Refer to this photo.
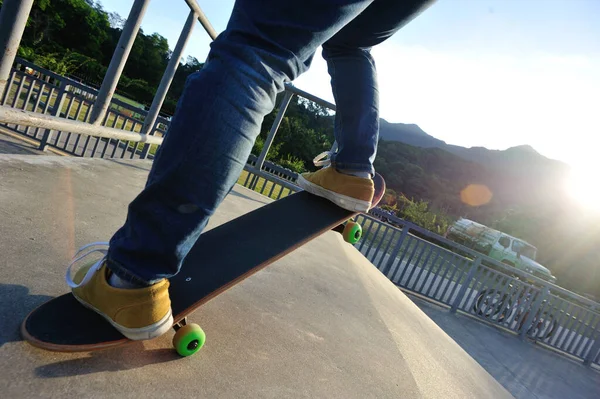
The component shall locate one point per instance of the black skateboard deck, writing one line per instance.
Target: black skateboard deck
(221, 258)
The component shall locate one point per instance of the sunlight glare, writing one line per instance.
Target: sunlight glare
(584, 188)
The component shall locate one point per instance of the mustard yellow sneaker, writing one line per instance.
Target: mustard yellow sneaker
(349, 192)
(138, 313)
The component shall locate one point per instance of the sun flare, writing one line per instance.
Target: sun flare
(584, 187)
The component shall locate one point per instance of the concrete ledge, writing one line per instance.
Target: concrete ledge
(321, 322)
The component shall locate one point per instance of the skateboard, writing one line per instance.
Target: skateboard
(221, 258)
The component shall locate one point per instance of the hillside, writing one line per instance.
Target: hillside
(519, 157)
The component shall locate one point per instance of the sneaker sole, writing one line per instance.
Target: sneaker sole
(343, 201)
(136, 334)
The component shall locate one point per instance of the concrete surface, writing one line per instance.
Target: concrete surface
(525, 369)
(320, 322)
(10, 143)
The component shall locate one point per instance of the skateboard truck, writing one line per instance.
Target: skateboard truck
(180, 324)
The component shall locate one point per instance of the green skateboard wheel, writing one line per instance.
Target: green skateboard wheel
(352, 232)
(189, 339)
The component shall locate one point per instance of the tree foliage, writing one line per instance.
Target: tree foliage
(77, 38)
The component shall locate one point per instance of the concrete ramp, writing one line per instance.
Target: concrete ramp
(321, 322)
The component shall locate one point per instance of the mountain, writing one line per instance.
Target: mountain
(408, 134)
(512, 159)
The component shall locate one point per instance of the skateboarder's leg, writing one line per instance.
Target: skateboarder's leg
(217, 120)
(354, 84)
(354, 80)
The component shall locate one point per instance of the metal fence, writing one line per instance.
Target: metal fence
(442, 271)
(35, 89)
(55, 111)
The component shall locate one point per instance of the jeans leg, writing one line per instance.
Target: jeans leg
(354, 80)
(217, 120)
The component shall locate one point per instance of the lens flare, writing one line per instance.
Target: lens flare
(476, 195)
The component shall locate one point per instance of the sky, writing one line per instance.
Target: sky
(470, 72)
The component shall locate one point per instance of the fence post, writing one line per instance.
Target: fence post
(13, 17)
(463, 288)
(533, 311)
(117, 63)
(595, 349)
(58, 104)
(386, 269)
(287, 98)
(167, 78)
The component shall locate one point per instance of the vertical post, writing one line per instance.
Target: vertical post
(282, 108)
(595, 349)
(117, 63)
(463, 289)
(166, 80)
(13, 17)
(202, 18)
(58, 104)
(533, 311)
(388, 266)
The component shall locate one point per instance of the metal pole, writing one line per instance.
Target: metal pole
(465, 285)
(13, 18)
(308, 96)
(282, 108)
(58, 105)
(117, 63)
(594, 351)
(167, 78)
(202, 18)
(39, 120)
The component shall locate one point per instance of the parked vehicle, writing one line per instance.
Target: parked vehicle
(497, 245)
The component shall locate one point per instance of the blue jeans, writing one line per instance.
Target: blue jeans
(219, 115)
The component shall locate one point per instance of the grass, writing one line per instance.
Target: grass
(128, 101)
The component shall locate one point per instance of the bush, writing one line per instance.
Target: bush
(418, 212)
(292, 163)
(273, 151)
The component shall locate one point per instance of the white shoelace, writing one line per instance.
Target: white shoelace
(102, 248)
(323, 159)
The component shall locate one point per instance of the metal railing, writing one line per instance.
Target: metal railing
(469, 282)
(57, 111)
(49, 108)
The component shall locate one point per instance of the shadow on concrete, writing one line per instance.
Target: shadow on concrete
(13, 147)
(133, 165)
(132, 356)
(15, 304)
